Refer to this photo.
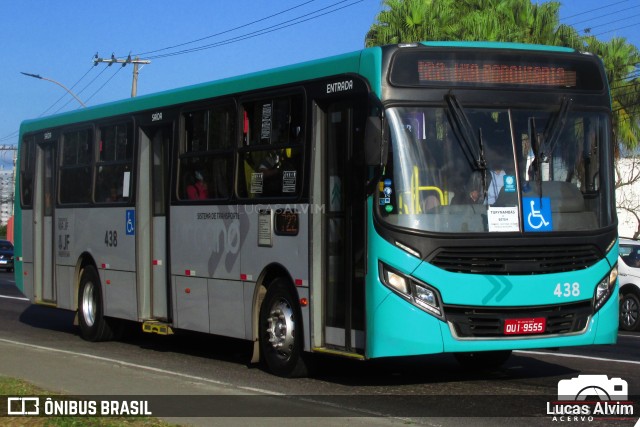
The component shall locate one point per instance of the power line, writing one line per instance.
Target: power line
(602, 16)
(593, 10)
(9, 136)
(225, 31)
(84, 88)
(613, 22)
(263, 31)
(248, 35)
(616, 29)
(105, 83)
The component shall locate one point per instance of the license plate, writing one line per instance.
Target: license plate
(536, 325)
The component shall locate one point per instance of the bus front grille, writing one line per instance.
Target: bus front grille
(516, 260)
(476, 322)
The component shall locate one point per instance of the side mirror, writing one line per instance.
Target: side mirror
(376, 145)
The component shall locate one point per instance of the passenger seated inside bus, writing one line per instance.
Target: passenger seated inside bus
(470, 193)
(197, 187)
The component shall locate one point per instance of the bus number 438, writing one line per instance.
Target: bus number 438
(111, 238)
(567, 290)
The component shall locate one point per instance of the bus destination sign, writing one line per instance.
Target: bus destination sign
(509, 70)
(495, 74)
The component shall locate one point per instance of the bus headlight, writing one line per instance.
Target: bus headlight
(396, 281)
(605, 289)
(419, 294)
(427, 298)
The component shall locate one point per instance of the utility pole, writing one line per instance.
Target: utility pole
(135, 61)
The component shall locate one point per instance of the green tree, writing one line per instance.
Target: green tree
(406, 21)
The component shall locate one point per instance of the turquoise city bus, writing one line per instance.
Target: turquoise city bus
(395, 201)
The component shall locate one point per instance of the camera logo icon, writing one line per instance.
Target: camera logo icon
(593, 387)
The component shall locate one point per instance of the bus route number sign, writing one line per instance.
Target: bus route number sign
(536, 325)
(287, 222)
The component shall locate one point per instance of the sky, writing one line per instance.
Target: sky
(58, 40)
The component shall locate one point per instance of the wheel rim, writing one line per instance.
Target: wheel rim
(629, 312)
(280, 328)
(88, 304)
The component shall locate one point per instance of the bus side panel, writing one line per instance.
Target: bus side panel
(191, 303)
(206, 241)
(100, 233)
(65, 295)
(226, 308)
(120, 294)
(26, 239)
(265, 246)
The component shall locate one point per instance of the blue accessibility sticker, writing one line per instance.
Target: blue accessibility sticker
(537, 214)
(130, 224)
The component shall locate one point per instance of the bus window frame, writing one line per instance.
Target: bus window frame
(242, 148)
(115, 121)
(60, 167)
(25, 160)
(229, 152)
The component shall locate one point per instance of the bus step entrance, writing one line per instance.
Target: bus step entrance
(336, 352)
(156, 327)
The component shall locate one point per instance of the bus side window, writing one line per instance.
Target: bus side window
(270, 162)
(75, 172)
(205, 163)
(115, 162)
(27, 171)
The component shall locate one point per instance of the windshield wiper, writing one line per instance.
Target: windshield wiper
(464, 132)
(538, 157)
(556, 124)
(544, 145)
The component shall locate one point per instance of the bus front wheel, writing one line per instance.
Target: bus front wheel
(281, 331)
(93, 325)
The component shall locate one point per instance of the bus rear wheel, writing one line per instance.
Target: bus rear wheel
(281, 332)
(479, 360)
(93, 325)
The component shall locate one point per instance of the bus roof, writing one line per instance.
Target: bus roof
(346, 63)
(500, 45)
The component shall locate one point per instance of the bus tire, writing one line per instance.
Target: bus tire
(479, 360)
(93, 325)
(281, 341)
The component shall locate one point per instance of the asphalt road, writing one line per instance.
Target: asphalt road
(200, 375)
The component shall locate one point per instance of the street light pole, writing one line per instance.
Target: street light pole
(37, 76)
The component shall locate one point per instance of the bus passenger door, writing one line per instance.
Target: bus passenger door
(344, 227)
(43, 234)
(151, 224)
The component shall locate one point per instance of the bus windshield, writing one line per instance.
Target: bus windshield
(472, 170)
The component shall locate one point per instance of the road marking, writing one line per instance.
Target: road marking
(197, 378)
(18, 298)
(135, 365)
(543, 353)
(629, 336)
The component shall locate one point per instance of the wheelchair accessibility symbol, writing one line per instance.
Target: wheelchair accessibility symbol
(130, 222)
(537, 214)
